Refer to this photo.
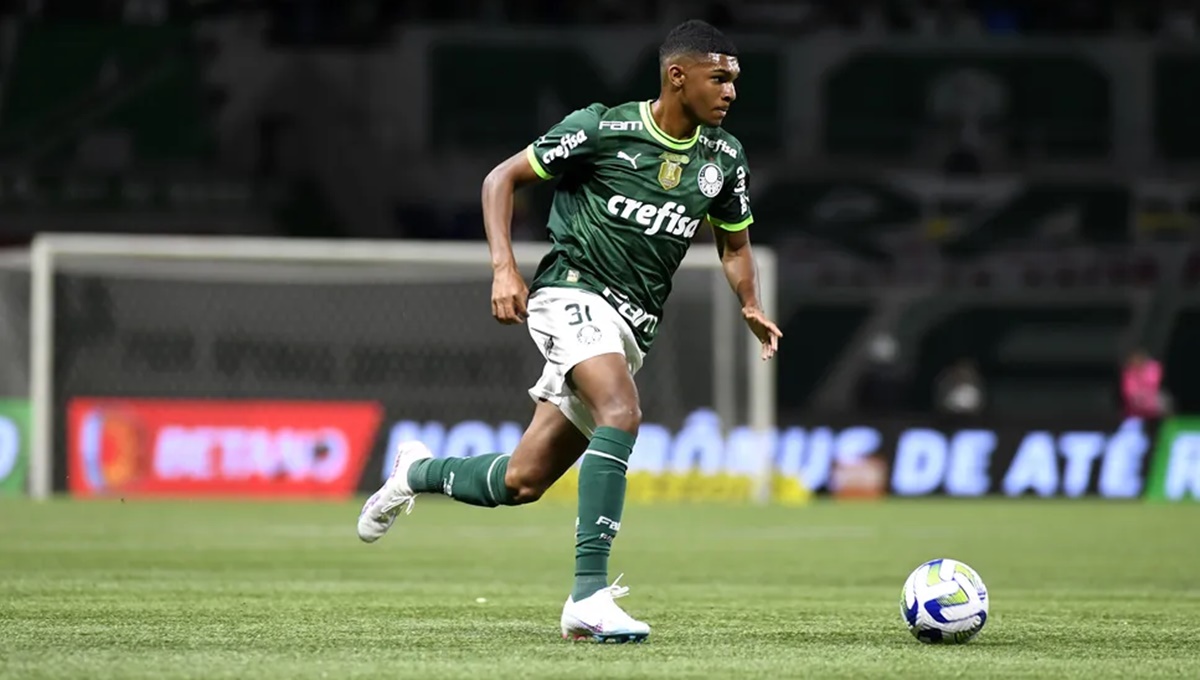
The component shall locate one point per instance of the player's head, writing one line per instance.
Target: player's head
(698, 65)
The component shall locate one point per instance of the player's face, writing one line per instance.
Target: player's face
(708, 90)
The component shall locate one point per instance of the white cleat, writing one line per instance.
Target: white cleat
(381, 509)
(598, 618)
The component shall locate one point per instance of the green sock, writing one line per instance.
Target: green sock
(601, 500)
(478, 480)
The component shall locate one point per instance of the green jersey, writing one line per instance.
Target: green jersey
(629, 200)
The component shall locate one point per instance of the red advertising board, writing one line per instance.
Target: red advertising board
(159, 447)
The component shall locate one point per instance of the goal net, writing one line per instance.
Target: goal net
(222, 365)
(14, 325)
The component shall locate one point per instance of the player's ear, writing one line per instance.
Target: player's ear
(676, 74)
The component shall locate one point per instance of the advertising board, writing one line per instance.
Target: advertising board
(154, 447)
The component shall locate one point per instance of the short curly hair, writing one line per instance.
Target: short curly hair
(694, 37)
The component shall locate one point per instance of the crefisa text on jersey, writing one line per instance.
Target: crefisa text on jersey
(653, 216)
(719, 145)
(563, 150)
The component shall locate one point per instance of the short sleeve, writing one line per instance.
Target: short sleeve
(730, 210)
(570, 143)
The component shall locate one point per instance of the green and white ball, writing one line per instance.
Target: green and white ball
(944, 602)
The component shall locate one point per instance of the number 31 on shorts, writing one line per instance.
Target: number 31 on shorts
(579, 314)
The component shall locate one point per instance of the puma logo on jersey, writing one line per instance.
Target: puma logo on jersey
(655, 218)
(626, 157)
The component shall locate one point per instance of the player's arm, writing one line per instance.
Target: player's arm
(509, 292)
(730, 217)
(737, 259)
(569, 144)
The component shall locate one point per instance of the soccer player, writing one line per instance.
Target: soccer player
(636, 182)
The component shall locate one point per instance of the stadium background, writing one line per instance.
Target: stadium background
(981, 209)
(949, 205)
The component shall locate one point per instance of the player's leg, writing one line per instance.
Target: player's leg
(604, 384)
(548, 448)
(546, 451)
(606, 388)
(551, 444)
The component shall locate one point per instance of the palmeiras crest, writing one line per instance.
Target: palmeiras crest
(671, 170)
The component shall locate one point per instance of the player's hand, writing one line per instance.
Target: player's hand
(764, 329)
(509, 295)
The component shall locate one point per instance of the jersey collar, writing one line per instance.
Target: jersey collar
(662, 137)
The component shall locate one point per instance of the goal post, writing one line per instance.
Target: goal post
(406, 323)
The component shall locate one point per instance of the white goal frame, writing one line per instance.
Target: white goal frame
(48, 248)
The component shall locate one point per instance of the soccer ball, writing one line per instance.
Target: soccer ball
(944, 601)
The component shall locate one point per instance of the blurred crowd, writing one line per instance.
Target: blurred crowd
(1167, 18)
(797, 17)
(963, 17)
(961, 390)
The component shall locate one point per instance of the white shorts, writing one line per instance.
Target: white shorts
(569, 326)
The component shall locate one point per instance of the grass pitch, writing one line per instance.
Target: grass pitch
(213, 590)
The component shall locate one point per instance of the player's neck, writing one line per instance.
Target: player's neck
(672, 120)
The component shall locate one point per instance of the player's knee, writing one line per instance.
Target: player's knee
(525, 485)
(622, 414)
